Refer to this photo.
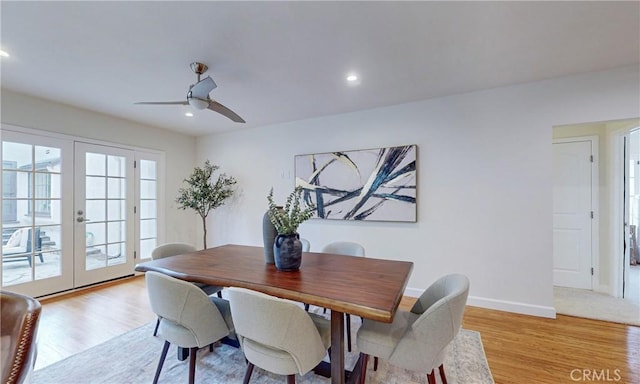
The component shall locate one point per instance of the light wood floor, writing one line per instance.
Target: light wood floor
(519, 349)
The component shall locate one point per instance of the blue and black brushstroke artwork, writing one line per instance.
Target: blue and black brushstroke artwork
(372, 184)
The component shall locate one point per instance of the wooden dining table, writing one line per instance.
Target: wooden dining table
(367, 287)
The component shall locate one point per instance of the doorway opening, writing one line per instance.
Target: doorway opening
(618, 209)
(630, 264)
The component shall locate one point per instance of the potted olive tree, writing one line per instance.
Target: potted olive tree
(202, 194)
(287, 248)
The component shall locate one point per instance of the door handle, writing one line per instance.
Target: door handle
(82, 219)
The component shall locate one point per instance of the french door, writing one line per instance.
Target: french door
(103, 210)
(75, 213)
(36, 214)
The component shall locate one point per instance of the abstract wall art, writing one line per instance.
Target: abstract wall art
(371, 184)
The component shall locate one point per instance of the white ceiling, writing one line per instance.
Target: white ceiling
(283, 61)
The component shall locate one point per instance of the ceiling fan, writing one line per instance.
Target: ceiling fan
(198, 95)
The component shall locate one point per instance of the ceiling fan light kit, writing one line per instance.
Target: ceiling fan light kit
(197, 103)
(198, 95)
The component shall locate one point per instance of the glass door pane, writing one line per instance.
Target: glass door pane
(148, 209)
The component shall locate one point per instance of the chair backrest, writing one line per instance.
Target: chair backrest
(20, 315)
(346, 248)
(37, 239)
(17, 239)
(171, 249)
(185, 305)
(277, 323)
(306, 245)
(20, 241)
(438, 316)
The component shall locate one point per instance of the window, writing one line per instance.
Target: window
(149, 212)
(42, 193)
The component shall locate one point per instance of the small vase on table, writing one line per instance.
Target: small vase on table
(287, 247)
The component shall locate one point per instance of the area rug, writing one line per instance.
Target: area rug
(133, 357)
(594, 305)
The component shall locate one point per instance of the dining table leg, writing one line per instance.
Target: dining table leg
(337, 347)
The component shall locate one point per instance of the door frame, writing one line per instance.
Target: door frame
(595, 206)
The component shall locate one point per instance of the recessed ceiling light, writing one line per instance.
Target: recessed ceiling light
(3, 53)
(188, 114)
(353, 79)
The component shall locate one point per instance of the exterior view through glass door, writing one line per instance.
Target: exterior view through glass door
(103, 213)
(35, 220)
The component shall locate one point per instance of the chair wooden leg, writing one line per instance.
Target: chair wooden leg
(163, 356)
(432, 377)
(192, 365)
(247, 374)
(291, 379)
(348, 319)
(155, 331)
(363, 372)
(442, 375)
(375, 363)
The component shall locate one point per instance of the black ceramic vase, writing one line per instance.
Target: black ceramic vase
(287, 252)
(268, 237)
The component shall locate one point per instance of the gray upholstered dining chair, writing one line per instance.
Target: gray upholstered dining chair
(347, 248)
(277, 335)
(190, 318)
(417, 340)
(306, 245)
(177, 248)
(19, 318)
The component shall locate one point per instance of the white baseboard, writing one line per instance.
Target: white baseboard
(602, 288)
(500, 305)
(512, 306)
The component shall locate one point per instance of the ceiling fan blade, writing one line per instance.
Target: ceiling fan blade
(163, 102)
(202, 88)
(221, 109)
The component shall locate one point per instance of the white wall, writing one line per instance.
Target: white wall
(484, 175)
(30, 112)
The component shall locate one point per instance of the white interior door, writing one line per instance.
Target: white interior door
(104, 213)
(572, 214)
(37, 234)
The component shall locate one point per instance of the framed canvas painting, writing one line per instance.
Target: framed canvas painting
(371, 184)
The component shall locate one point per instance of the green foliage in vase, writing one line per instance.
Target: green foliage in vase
(202, 194)
(287, 219)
